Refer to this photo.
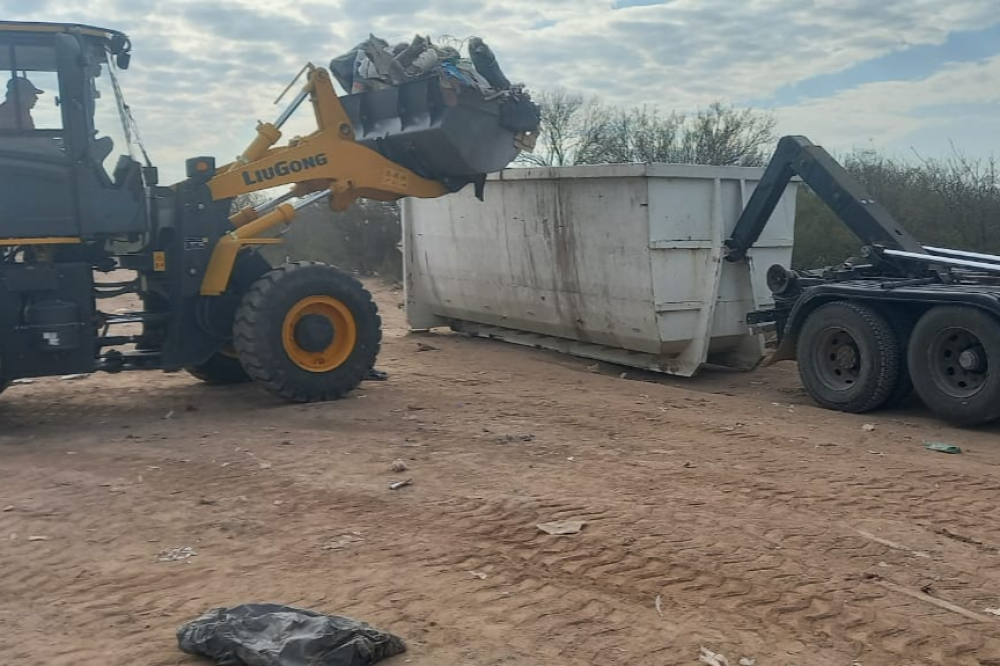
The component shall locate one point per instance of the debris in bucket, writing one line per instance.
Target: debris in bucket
(941, 447)
(276, 635)
(400, 484)
(175, 554)
(374, 64)
(452, 89)
(562, 527)
(398, 466)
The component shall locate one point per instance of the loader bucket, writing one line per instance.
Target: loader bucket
(452, 140)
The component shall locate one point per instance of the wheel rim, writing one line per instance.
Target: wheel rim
(959, 365)
(319, 333)
(839, 359)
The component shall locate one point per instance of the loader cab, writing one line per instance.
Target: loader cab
(66, 168)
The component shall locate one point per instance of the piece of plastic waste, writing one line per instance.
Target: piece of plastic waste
(377, 375)
(276, 635)
(562, 527)
(941, 447)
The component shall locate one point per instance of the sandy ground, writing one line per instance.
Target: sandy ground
(768, 529)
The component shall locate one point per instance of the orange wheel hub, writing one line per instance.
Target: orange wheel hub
(319, 333)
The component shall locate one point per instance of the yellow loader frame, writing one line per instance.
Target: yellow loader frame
(327, 159)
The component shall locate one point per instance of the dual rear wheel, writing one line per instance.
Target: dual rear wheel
(856, 358)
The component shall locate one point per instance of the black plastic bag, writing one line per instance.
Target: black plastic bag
(275, 635)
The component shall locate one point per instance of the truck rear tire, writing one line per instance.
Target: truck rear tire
(849, 357)
(308, 332)
(902, 322)
(954, 358)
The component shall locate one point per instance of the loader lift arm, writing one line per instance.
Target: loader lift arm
(326, 162)
(846, 197)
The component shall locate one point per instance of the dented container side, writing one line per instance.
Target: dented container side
(553, 256)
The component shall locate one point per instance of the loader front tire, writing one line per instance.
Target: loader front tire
(307, 332)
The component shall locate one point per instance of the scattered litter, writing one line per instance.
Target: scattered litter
(285, 442)
(562, 527)
(38, 538)
(71, 378)
(263, 464)
(278, 502)
(276, 635)
(342, 542)
(941, 447)
(169, 415)
(571, 459)
(868, 427)
(377, 375)
(398, 466)
(624, 375)
(175, 554)
(710, 658)
(993, 611)
(508, 439)
(204, 501)
(23, 381)
(594, 368)
(689, 465)
(478, 574)
(8, 508)
(424, 347)
(659, 604)
(400, 484)
(876, 453)
(893, 544)
(747, 661)
(934, 601)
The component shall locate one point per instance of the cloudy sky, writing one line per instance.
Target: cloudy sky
(902, 76)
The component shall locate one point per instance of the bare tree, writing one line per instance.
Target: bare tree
(559, 129)
(727, 136)
(579, 131)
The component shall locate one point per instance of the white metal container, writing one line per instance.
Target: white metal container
(618, 263)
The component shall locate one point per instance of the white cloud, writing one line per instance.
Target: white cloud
(888, 113)
(204, 73)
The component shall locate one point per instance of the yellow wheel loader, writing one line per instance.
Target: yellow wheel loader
(75, 204)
